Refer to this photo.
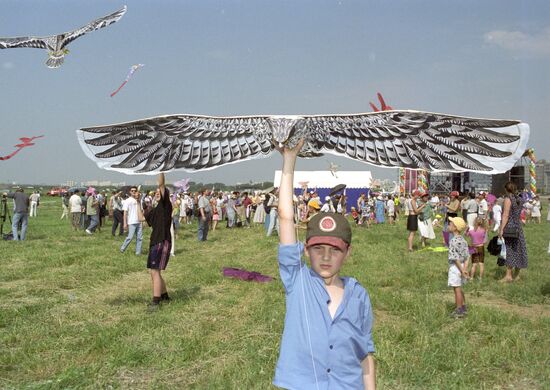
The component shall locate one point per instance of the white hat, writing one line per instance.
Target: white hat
(327, 198)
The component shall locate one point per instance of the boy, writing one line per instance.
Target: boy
(458, 254)
(159, 217)
(327, 341)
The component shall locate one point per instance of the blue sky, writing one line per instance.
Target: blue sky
(487, 59)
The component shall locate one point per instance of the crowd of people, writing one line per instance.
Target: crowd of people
(482, 213)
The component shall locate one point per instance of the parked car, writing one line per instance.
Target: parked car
(57, 191)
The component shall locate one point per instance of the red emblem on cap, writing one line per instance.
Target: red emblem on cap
(327, 224)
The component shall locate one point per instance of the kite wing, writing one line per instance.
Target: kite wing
(12, 43)
(93, 25)
(421, 140)
(166, 143)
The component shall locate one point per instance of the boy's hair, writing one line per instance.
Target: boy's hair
(330, 229)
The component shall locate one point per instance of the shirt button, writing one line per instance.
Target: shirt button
(330, 347)
(328, 370)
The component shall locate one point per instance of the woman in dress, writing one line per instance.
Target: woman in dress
(259, 215)
(516, 249)
(412, 218)
(379, 209)
(535, 211)
(425, 225)
(453, 207)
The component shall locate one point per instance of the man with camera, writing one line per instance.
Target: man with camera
(20, 214)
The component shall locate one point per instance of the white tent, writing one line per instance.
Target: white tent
(326, 179)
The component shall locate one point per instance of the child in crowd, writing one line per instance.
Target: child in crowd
(327, 338)
(365, 214)
(478, 236)
(458, 273)
(497, 215)
(355, 215)
(159, 217)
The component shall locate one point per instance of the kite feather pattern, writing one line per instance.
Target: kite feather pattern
(394, 138)
(56, 44)
(25, 142)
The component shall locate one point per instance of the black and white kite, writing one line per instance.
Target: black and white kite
(57, 44)
(410, 139)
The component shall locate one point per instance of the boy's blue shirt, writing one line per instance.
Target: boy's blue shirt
(337, 345)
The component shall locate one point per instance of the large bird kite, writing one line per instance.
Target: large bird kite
(391, 138)
(56, 44)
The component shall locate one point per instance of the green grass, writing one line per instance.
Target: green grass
(73, 313)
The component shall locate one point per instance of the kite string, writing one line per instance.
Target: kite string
(302, 266)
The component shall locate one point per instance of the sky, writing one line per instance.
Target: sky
(488, 59)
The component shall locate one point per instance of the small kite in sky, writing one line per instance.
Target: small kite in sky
(56, 44)
(394, 138)
(133, 68)
(383, 106)
(25, 141)
(333, 168)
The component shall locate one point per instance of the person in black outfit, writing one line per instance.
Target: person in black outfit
(159, 217)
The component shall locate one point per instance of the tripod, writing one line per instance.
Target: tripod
(4, 214)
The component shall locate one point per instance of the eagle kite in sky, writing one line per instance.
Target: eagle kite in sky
(388, 138)
(56, 44)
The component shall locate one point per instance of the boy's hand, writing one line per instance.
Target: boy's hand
(291, 152)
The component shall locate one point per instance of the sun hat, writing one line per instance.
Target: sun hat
(330, 229)
(314, 203)
(459, 223)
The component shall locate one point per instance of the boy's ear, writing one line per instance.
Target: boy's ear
(348, 254)
(306, 252)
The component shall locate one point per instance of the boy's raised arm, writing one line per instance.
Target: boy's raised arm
(161, 184)
(287, 234)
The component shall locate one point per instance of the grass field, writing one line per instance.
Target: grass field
(73, 313)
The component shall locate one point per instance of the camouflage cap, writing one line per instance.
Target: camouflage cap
(328, 228)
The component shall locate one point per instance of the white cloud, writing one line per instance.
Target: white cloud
(537, 44)
(8, 65)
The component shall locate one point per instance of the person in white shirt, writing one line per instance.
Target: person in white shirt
(75, 208)
(390, 207)
(133, 218)
(497, 214)
(35, 199)
(471, 210)
(483, 206)
(535, 211)
(327, 207)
